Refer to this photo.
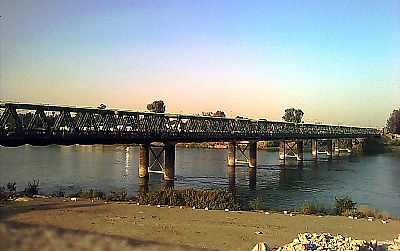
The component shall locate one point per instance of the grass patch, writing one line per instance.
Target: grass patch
(314, 207)
(256, 204)
(212, 199)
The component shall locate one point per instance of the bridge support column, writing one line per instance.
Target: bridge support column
(253, 154)
(356, 145)
(329, 149)
(144, 161)
(231, 153)
(337, 146)
(169, 168)
(143, 185)
(299, 154)
(291, 149)
(314, 148)
(282, 149)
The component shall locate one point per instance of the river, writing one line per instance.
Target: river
(370, 180)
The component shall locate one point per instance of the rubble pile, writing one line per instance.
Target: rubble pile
(326, 241)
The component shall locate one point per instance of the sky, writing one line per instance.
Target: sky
(338, 61)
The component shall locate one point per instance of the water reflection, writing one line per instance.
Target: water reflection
(252, 178)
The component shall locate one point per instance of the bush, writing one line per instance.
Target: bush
(32, 189)
(120, 195)
(365, 211)
(12, 186)
(312, 207)
(343, 204)
(256, 204)
(213, 199)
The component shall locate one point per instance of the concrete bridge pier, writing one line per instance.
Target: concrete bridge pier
(253, 154)
(357, 144)
(169, 168)
(314, 148)
(144, 156)
(143, 185)
(291, 149)
(321, 146)
(231, 153)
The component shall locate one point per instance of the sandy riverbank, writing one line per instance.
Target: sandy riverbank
(85, 225)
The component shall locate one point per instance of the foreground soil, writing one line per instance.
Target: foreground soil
(61, 224)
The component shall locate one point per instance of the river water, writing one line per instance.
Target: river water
(370, 180)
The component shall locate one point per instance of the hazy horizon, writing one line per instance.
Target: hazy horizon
(338, 61)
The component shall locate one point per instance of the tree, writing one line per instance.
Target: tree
(219, 114)
(156, 106)
(393, 122)
(293, 115)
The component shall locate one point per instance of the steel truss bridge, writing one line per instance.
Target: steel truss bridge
(42, 124)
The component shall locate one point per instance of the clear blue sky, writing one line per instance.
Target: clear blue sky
(339, 61)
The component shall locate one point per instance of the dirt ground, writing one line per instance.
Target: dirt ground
(62, 224)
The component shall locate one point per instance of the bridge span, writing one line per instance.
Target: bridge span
(43, 124)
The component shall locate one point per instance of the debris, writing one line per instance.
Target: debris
(23, 199)
(261, 247)
(326, 241)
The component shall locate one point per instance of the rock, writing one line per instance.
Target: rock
(226, 210)
(261, 247)
(74, 199)
(326, 241)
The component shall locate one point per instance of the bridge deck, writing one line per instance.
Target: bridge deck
(41, 124)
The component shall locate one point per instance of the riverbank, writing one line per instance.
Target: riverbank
(55, 223)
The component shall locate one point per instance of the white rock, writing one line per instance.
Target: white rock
(267, 213)
(74, 199)
(206, 208)
(181, 207)
(226, 210)
(285, 212)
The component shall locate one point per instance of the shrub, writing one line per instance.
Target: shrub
(343, 204)
(12, 186)
(60, 194)
(92, 194)
(119, 195)
(213, 199)
(365, 211)
(32, 188)
(352, 212)
(256, 204)
(312, 207)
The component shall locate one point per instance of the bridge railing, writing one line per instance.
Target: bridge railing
(49, 121)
